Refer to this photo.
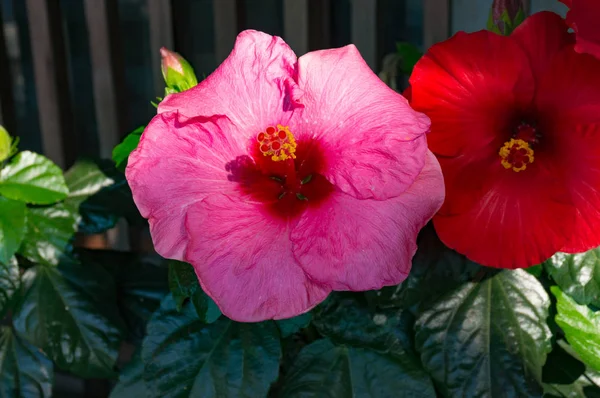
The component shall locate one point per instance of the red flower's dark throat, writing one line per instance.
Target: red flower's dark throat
(282, 173)
(518, 152)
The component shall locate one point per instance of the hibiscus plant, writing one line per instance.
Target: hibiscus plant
(319, 234)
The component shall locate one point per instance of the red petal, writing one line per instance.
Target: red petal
(470, 86)
(583, 18)
(542, 36)
(568, 98)
(522, 219)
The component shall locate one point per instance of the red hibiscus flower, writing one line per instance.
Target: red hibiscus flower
(583, 18)
(516, 128)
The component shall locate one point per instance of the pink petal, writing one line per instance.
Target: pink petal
(255, 86)
(243, 259)
(353, 244)
(177, 163)
(375, 142)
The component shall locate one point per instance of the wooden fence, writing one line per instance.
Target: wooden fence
(59, 132)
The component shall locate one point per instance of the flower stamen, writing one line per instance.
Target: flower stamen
(516, 154)
(278, 143)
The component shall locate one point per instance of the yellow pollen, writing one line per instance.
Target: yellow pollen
(516, 155)
(278, 143)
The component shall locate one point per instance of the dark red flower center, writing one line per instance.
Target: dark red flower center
(517, 153)
(284, 174)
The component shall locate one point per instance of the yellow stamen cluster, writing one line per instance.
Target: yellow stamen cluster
(278, 143)
(516, 154)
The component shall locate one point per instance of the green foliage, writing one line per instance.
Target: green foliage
(183, 283)
(578, 275)
(10, 281)
(409, 56)
(25, 371)
(184, 357)
(488, 338)
(324, 369)
(64, 311)
(12, 227)
(581, 327)
(122, 151)
(32, 178)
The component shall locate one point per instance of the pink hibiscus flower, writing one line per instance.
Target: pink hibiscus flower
(281, 179)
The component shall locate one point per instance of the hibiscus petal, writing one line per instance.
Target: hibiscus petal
(569, 99)
(542, 36)
(470, 86)
(177, 163)
(353, 244)
(583, 18)
(243, 259)
(254, 86)
(374, 141)
(521, 220)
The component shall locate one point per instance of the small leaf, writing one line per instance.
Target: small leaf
(581, 326)
(409, 56)
(12, 227)
(84, 179)
(9, 283)
(121, 152)
(49, 233)
(131, 380)
(184, 285)
(536, 270)
(206, 309)
(288, 327)
(325, 370)
(183, 282)
(578, 275)
(561, 367)
(184, 357)
(101, 211)
(488, 338)
(25, 371)
(70, 312)
(33, 178)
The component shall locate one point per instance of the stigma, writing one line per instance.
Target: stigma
(516, 154)
(278, 143)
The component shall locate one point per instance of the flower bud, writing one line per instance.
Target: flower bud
(5, 144)
(177, 72)
(505, 16)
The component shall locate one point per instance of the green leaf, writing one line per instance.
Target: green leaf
(184, 357)
(49, 233)
(561, 367)
(436, 270)
(488, 338)
(141, 282)
(12, 227)
(581, 326)
(346, 318)
(131, 380)
(101, 211)
(536, 270)
(9, 283)
(325, 370)
(121, 152)
(84, 179)
(70, 312)
(409, 55)
(183, 282)
(288, 327)
(33, 178)
(184, 285)
(24, 371)
(578, 275)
